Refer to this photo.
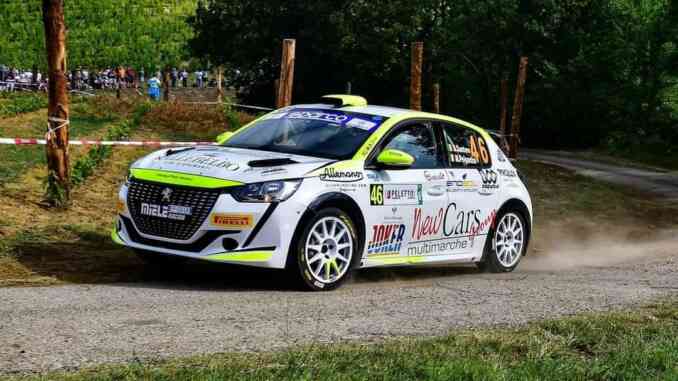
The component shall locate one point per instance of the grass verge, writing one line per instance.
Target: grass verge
(640, 344)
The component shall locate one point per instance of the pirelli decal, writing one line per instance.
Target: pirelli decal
(236, 221)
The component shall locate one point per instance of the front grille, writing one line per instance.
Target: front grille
(201, 202)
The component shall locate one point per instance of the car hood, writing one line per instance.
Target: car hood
(236, 164)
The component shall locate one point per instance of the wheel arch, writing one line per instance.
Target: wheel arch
(519, 206)
(339, 201)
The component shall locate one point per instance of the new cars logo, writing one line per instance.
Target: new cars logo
(386, 239)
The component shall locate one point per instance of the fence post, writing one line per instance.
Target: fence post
(415, 75)
(166, 84)
(284, 96)
(518, 107)
(220, 89)
(436, 98)
(58, 172)
(503, 105)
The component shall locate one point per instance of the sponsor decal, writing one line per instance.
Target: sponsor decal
(341, 176)
(387, 239)
(507, 172)
(202, 160)
(438, 247)
(450, 229)
(489, 181)
(476, 152)
(237, 221)
(346, 187)
(462, 185)
(170, 212)
(396, 194)
(434, 175)
(426, 226)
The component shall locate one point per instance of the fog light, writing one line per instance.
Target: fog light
(229, 244)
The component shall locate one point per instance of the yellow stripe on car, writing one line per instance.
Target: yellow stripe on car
(183, 179)
(242, 256)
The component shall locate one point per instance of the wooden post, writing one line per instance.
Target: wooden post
(503, 115)
(58, 172)
(166, 84)
(286, 74)
(415, 75)
(436, 98)
(518, 108)
(220, 89)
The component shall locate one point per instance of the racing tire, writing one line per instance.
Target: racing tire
(324, 252)
(506, 244)
(159, 260)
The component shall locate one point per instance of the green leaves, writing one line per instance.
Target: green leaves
(102, 33)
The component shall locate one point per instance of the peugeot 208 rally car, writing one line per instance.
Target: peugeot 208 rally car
(322, 189)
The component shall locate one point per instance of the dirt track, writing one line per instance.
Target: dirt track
(244, 310)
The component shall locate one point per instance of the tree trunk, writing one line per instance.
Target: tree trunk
(518, 107)
(436, 98)
(58, 173)
(503, 104)
(166, 84)
(284, 96)
(415, 75)
(220, 88)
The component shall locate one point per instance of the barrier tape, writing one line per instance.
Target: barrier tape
(146, 143)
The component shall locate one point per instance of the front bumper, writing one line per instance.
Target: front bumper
(262, 242)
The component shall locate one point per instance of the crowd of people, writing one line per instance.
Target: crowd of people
(82, 79)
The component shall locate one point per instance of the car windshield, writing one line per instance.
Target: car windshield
(331, 134)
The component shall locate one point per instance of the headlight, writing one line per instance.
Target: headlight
(270, 191)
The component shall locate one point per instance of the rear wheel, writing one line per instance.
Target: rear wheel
(325, 251)
(507, 244)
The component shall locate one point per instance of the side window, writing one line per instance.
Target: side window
(465, 147)
(419, 141)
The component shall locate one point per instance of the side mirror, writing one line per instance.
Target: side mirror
(396, 159)
(221, 139)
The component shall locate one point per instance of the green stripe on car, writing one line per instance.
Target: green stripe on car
(177, 178)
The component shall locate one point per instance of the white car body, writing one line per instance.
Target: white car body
(403, 216)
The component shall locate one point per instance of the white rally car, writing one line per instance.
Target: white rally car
(322, 189)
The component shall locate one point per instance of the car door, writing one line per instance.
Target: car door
(472, 190)
(406, 204)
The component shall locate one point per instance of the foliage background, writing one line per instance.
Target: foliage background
(601, 71)
(101, 33)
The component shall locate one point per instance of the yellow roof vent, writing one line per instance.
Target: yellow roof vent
(341, 100)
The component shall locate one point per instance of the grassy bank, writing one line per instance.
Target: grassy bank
(633, 345)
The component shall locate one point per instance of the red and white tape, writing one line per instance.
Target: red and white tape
(145, 143)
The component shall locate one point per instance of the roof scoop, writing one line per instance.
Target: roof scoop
(271, 162)
(341, 100)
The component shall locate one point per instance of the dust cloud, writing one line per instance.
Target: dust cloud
(580, 244)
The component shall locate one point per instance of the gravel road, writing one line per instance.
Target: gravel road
(69, 327)
(657, 182)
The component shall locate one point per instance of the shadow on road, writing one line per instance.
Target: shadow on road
(96, 263)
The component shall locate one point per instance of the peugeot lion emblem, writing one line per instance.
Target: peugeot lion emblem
(167, 195)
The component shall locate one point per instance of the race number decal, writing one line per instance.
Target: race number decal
(479, 150)
(377, 194)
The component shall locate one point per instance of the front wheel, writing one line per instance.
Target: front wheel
(507, 243)
(324, 253)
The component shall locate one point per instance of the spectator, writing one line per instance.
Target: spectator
(184, 77)
(175, 77)
(142, 77)
(198, 79)
(154, 88)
